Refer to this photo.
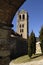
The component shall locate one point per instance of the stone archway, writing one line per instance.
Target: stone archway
(8, 8)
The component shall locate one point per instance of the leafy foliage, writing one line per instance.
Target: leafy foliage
(41, 34)
(41, 38)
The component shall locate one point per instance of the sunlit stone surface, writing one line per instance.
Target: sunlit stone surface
(40, 62)
(38, 48)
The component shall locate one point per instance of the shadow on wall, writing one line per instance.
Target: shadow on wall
(13, 48)
(19, 47)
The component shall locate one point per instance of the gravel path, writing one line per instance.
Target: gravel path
(38, 62)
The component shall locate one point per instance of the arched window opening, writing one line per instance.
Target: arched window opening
(23, 16)
(20, 17)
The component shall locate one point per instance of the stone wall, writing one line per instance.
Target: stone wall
(19, 47)
(13, 48)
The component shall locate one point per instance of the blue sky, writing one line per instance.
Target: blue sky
(35, 12)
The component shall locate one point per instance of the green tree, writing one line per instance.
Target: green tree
(41, 38)
(32, 44)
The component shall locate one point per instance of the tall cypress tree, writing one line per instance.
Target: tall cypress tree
(41, 38)
(32, 44)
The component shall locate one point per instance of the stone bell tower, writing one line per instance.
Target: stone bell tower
(22, 24)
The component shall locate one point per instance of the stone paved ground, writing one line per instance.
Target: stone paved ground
(33, 61)
(36, 61)
(30, 63)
